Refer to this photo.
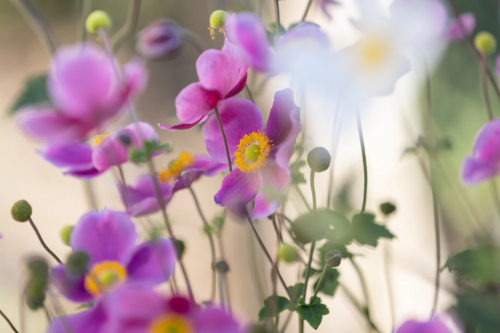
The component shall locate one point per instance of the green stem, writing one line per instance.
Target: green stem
(309, 3)
(129, 26)
(325, 269)
(335, 141)
(221, 128)
(277, 14)
(359, 307)
(301, 195)
(365, 166)
(86, 5)
(43, 243)
(364, 286)
(90, 194)
(8, 321)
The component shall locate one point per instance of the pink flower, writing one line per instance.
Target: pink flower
(433, 326)
(222, 74)
(160, 39)
(454, 30)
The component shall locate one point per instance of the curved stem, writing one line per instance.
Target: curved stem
(365, 166)
(364, 287)
(8, 321)
(358, 306)
(309, 3)
(389, 284)
(219, 121)
(210, 240)
(90, 194)
(43, 243)
(325, 269)
(86, 5)
(277, 14)
(484, 86)
(194, 39)
(128, 27)
(335, 141)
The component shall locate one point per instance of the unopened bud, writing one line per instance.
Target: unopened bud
(485, 42)
(97, 20)
(287, 253)
(125, 139)
(21, 211)
(222, 266)
(160, 39)
(218, 18)
(333, 258)
(65, 234)
(78, 263)
(387, 208)
(37, 282)
(319, 159)
(180, 247)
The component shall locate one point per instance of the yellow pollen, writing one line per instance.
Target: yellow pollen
(373, 52)
(105, 276)
(213, 31)
(98, 139)
(172, 323)
(176, 167)
(252, 152)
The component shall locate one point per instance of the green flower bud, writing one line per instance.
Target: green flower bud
(387, 208)
(35, 302)
(485, 42)
(65, 234)
(21, 211)
(37, 282)
(222, 267)
(180, 247)
(287, 253)
(319, 159)
(78, 263)
(333, 258)
(97, 20)
(217, 18)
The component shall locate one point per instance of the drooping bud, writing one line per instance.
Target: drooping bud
(319, 159)
(97, 20)
(287, 253)
(333, 258)
(125, 139)
(65, 234)
(21, 211)
(78, 263)
(485, 42)
(387, 208)
(37, 282)
(222, 267)
(218, 18)
(160, 39)
(180, 247)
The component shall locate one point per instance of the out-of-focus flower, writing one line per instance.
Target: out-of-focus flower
(89, 160)
(109, 238)
(433, 326)
(222, 74)
(85, 95)
(180, 174)
(484, 164)
(454, 32)
(261, 158)
(325, 4)
(160, 39)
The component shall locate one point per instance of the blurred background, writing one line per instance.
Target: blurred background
(391, 125)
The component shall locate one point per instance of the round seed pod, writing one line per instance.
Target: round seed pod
(333, 258)
(21, 211)
(319, 159)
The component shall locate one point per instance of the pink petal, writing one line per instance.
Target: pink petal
(284, 115)
(238, 189)
(273, 179)
(72, 155)
(475, 171)
(487, 144)
(87, 321)
(214, 320)
(454, 31)
(182, 126)
(195, 102)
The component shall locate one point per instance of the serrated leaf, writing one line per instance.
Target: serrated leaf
(330, 282)
(296, 292)
(273, 306)
(34, 92)
(479, 264)
(313, 313)
(366, 231)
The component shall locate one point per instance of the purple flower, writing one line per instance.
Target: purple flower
(454, 30)
(484, 164)
(180, 174)
(433, 326)
(86, 161)
(160, 39)
(222, 74)
(261, 158)
(109, 238)
(84, 92)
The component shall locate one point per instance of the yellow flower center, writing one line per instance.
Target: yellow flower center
(176, 167)
(98, 139)
(105, 276)
(373, 52)
(252, 152)
(172, 323)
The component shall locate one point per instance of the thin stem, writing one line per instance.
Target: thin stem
(278, 233)
(261, 287)
(309, 3)
(364, 287)
(123, 184)
(358, 306)
(129, 26)
(484, 86)
(8, 321)
(90, 194)
(365, 166)
(219, 121)
(271, 261)
(42, 242)
(302, 197)
(85, 10)
(287, 321)
(250, 96)
(335, 141)
(389, 284)
(277, 15)
(210, 240)
(194, 39)
(438, 252)
(323, 273)
(221, 291)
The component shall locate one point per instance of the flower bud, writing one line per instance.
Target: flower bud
(387, 208)
(333, 258)
(97, 20)
(257, 328)
(65, 234)
(21, 211)
(160, 39)
(485, 42)
(319, 159)
(222, 266)
(37, 282)
(78, 263)
(287, 253)
(180, 247)
(125, 139)
(218, 18)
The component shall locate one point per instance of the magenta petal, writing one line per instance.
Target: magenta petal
(487, 144)
(273, 180)
(136, 78)
(215, 71)
(454, 31)
(238, 188)
(238, 88)
(239, 117)
(89, 173)
(141, 197)
(104, 235)
(88, 321)
(72, 155)
(433, 326)
(187, 178)
(208, 164)
(248, 31)
(284, 114)
(183, 126)
(195, 102)
(73, 288)
(475, 171)
(214, 320)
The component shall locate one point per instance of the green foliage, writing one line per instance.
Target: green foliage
(366, 231)
(295, 292)
(330, 282)
(310, 227)
(479, 312)
(273, 306)
(273, 33)
(139, 156)
(34, 92)
(479, 264)
(297, 175)
(313, 313)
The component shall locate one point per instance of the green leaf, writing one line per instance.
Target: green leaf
(313, 313)
(297, 175)
(330, 245)
(479, 264)
(479, 312)
(273, 306)
(330, 282)
(309, 227)
(296, 293)
(273, 33)
(366, 232)
(34, 92)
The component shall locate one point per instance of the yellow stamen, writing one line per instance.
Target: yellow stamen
(105, 276)
(252, 152)
(172, 323)
(373, 52)
(98, 139)
(214, 30)
(176, 167)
